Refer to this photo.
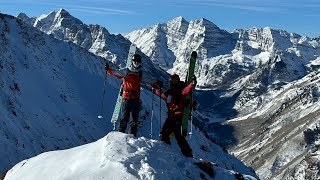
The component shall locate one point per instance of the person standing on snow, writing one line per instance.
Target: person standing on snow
(131, 94)
(174, 97)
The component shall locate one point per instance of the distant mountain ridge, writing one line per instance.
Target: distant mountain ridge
(94, 38)
(241, 73)
(216, 48)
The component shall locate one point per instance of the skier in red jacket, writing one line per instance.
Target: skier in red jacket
(174, 97)
(131, 94)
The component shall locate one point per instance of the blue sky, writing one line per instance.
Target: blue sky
(123, 16)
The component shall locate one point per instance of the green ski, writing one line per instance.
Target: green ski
(188, 99)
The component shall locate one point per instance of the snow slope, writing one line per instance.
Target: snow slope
(50, 93)
(116, 156)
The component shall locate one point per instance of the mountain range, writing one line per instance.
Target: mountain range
(258, 90)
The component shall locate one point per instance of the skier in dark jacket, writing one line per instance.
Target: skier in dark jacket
(174, 97)
(131, 94)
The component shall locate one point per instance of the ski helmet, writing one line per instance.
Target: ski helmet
(175, 77)
(136, 58)
(174, 81)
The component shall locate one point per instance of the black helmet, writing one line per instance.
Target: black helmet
(174, 84)
(174, 77)
(136, 58)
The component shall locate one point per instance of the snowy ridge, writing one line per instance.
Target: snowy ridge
(115, 156)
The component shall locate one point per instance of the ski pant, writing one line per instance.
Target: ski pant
(129, 106)
(173, 125)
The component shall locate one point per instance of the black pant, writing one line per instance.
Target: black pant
(173, 125)
(129, 106)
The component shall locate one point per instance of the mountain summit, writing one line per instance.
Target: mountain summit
(119, 156)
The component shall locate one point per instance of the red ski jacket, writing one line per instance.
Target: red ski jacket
(175, 105)
(131, 84)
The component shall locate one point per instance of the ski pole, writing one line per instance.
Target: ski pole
(151, 114)
(104, 91)
(191, 114)
(160, 109)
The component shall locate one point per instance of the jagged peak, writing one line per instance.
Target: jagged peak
(270, 29)
(22, 16)
(247, 30)
(56, 19)
(25, 18)
(63, 13)
(295, 35)
(158, 25)
(205, 22)
(61, 10)
(178, 19)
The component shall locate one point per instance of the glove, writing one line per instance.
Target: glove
(106, 67)
(194, 80)
(159, 83)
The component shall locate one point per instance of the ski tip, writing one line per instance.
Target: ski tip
(194, 54)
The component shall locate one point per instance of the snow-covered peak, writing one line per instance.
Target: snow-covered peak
(95, 38)
(177, 26)
(275, 39)
(204, 26)
(178, 20)
(62, 25)
(205, 22)
(117, 156)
